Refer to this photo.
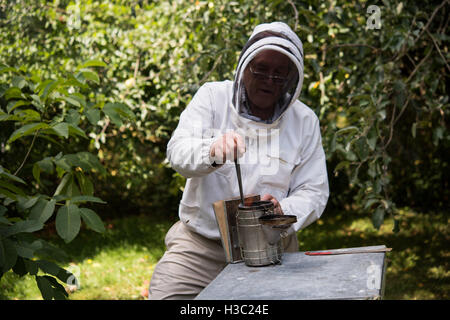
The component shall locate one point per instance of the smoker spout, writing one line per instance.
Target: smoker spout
(274, 226)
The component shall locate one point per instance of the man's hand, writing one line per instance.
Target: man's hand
(230, 146)
(277, 207)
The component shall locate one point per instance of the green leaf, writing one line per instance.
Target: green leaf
(19, 268)
(370, 202)
(6, 174)
(46, 165)
(27, 130)
(72, 101)
(37, 102)
(8, 255)
(73, 117)
(13, 93)
(378, 217)
(74, 82)
(62, 129)
(43, 210)
(90, 75)
(372, 138)
(396, 227)
(93, 115)
(53, 269)
(19, 82)
(86, 186)
(51, 252)
(48, 89)
(64, 163)
(45, 287)
(92, 220)
(8, 194)
(14, 104)
(68, 222)
(75, 131)
(347, 130)
(72, 189)
(27, 115)
(91, 63)
(117, 111)
(11, 187)
(112, 114)
(26, 202)
(86, 161)
(342, 164)
(6, 117)
(50, 288)
(27, 249)
(23, 226)
(79, 98)
(4, 68)
(62, 184)
(31, 267)
(36, 173)
(78, 199)
(362, 148)
(372, 169)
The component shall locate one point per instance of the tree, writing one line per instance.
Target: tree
(379, 89)
(42, 121)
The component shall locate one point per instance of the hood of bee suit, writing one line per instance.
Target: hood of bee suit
(276, 36)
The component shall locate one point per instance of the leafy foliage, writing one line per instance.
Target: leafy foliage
(91, 92)
(42, 121)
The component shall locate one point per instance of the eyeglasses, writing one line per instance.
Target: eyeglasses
(264, 76)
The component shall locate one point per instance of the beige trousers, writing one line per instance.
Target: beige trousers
(190, 263)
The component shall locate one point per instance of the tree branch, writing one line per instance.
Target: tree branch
(391, 129)
(439, 51)
(103, 130)
(418, 65)
(216, 63)
(136, 67)
(402, 110)
(295, 12)
(403, 49)
(394, 120)
(431, 19)
(28, 153)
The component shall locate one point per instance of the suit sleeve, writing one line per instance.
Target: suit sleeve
(188, 148)
(308, 187)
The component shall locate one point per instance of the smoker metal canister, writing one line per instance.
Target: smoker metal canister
(255, 249)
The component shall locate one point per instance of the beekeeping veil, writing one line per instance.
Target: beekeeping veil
(276, 36)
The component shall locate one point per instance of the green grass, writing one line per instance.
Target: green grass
(115, 265)
(119, 263)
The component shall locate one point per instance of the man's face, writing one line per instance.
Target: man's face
(264, 92)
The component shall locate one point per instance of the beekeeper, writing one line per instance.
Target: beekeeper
(276, 138)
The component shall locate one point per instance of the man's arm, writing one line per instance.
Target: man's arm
(188, 150)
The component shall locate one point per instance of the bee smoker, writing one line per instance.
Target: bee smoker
(260, 233)
(260, 230)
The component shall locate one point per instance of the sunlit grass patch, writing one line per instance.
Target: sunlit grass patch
(114, 265)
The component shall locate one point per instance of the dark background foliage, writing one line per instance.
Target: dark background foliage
(377, 77)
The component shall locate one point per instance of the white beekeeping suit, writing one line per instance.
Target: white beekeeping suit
(284, 155)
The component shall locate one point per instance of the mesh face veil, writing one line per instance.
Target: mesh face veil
(273, 36)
